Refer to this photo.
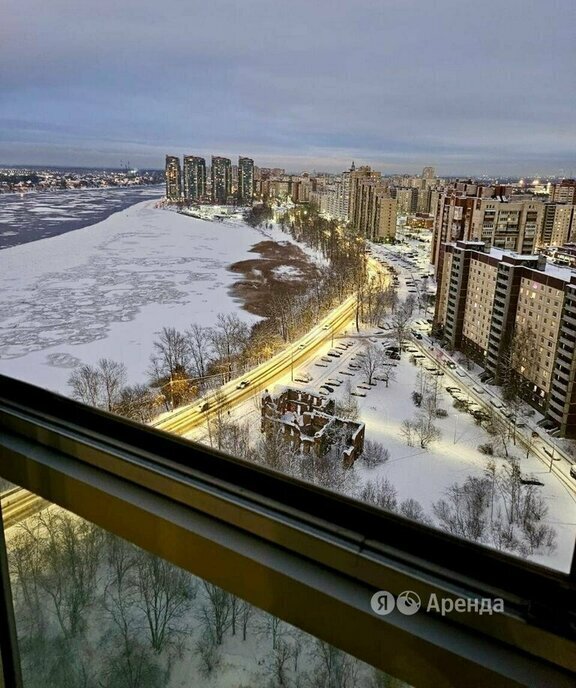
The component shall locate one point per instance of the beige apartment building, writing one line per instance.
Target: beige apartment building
(371, 209)
(522, 225)
(491, 303)
(564, 192)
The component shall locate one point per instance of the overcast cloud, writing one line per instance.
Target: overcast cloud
(470, 87)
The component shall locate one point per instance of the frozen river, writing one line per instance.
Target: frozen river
(39, 215)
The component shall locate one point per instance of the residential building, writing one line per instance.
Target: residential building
(173, 178)
(428, 173)
(558, 225)
(564, 192)
(245, 189)
(371, 208)
(499, 221)
(194, 178)
(490, 302)
(221, 175)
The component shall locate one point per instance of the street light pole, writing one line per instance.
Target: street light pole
(292, 364)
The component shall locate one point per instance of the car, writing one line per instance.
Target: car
(416, 335)
(573, 471)
(395, 355)
(530, 480)
(243, 384)
(453, 389)
(326, 359)
(204, 407)
(327, 388)
(480, 415)
(334, 354)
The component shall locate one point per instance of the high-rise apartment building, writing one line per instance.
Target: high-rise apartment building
(564, 192)
(559, 224)
(513, 311)
(245, 190)
(428, 173)
(498, 221)
(371, 209)
(194, 178)
(173, 178)
(221, 176)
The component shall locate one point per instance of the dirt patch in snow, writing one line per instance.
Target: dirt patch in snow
(281, 268)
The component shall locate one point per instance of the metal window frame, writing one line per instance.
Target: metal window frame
(311, 557)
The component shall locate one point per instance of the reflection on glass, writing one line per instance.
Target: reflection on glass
(94, 611)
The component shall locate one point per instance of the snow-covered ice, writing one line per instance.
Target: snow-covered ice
(106, 290)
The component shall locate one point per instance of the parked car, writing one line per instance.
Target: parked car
(530, 480)
(327, 388)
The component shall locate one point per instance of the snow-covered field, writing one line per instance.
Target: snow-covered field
(106, 290)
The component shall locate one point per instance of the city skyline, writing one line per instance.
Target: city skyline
(395, 84)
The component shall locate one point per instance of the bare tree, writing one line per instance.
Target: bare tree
(387, 374)
(380, 492)
(69, 549)
(374, 453)
(129, 664)
(228, 339)
(400, 322)
(113, 378)
(370, 359)
(499, 432)
(138, 402)
(333, 668)
(411, 508)
(464, 511)
(171, 353)
(245, 615)
(215, 612)
(86, 385)
(165, 595)
(425, 430)
(408, 431)
(199, 347)
(347, 405)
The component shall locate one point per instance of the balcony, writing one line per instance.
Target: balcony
(309, 557)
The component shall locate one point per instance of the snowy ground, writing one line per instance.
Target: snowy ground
(106, 290)
(423, 474)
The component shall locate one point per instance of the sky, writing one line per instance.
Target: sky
(468, 87)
